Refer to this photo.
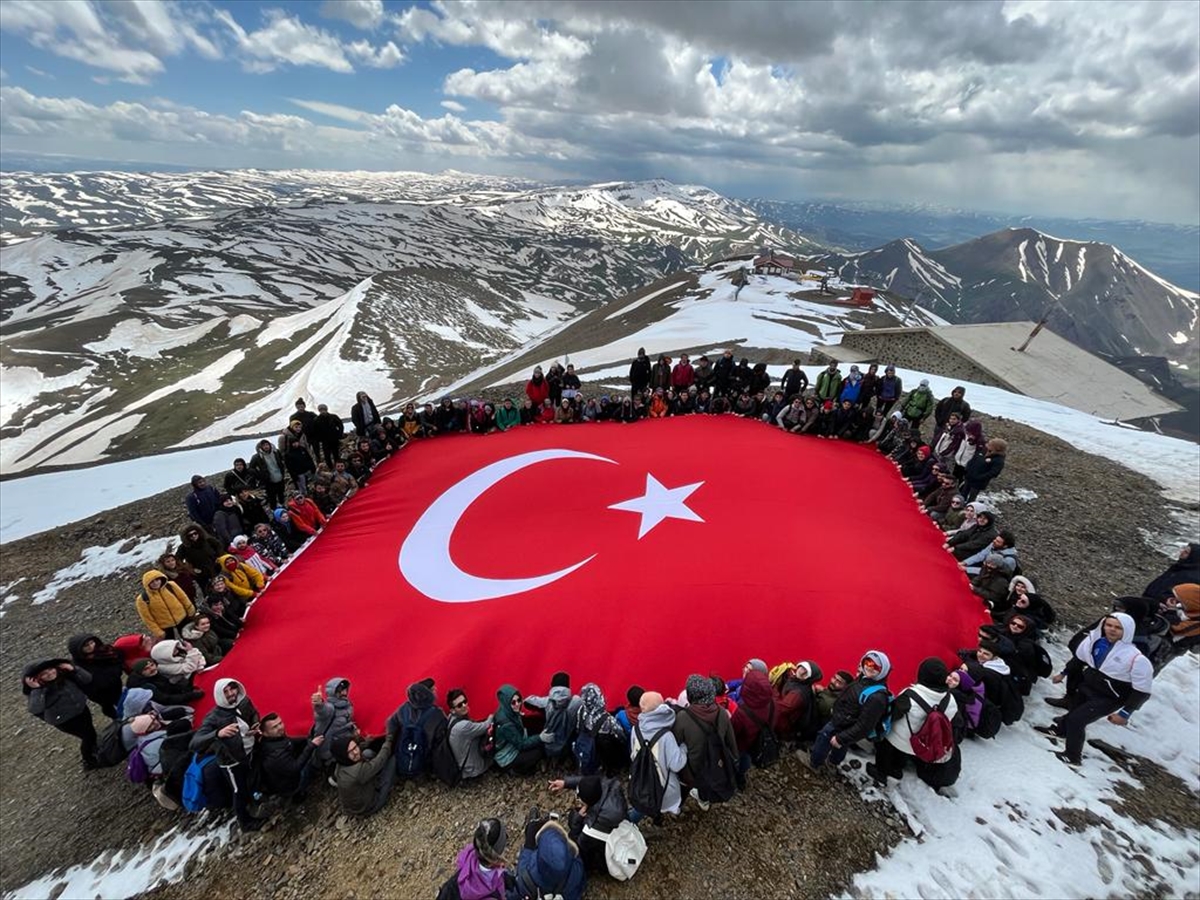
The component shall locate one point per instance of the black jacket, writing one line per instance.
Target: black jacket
(235, 480)
(639, 373)
(328, 428)
(280, 762)
(106, 666)
(259, 468)
(62, 699)
(165, 693)
(794, 382)
(854, 720)
(1182, 571)
(229, 750)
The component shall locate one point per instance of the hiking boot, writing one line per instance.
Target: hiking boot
(695, 795)
(1059, 702)
(1048, 730)
(1074, 763)
(877, 776)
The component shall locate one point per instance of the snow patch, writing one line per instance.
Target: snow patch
(100, 562)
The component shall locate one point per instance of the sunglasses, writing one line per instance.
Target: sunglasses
(459, 705)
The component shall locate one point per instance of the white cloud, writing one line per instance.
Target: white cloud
(454, 106)
(333, 110)
(386, 57)
(365, 14)
(287, 40)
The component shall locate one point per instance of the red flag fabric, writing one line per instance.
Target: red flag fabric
(623, 554)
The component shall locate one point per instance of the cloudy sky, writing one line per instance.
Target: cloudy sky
(1073, 109)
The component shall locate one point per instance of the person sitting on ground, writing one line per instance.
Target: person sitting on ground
(910, 710)
(1026, 657)
(659, 408)
(199, 633)
(985, 665)
(991, 584)
(162, 605)
(333, 715)
(165, 692)
(1023, 597)
(1116, 679)
(657, 716)
(549, 864)
(693, 724)
(508, 416)
(178, 660)
(54, 692)
(229, 731)
(562, 711)
(269, 545)
(179, 571)
(341, 483)
(243, 581)
(965, 543)
(467, 736)
(516, 751)
(954, 517)
(628, 715)
(201, 550)
(600, 744)
(939, 503)
(420, 711)
(282, 762)
(857, 713)
(134, 647)
(241, 547)
(791, 418)
(321, 497)
(984, 467)
(483, 418)
(827, 696)
(306, 517)
(227, 520)
(1184, 570)
(794, 701)
(293, 538)
(363, 784)
(755, 711)
(602, 807)
(1004, 545)
(225, 623)
(105, 663)
(481, 871)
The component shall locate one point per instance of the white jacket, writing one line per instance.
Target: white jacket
(904, 727)
(1124, 661)
(176, 667)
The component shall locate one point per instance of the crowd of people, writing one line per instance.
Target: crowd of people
(630, 765)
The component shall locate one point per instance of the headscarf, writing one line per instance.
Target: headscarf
(700, 690)
(592, 712)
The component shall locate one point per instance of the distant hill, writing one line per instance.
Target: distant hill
(1171, 251)
(1106, 302)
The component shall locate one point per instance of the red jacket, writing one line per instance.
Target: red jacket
(756, 698)
(131, 649)
(538, 393)
(306, 516)
(546, 414)
(682, 375)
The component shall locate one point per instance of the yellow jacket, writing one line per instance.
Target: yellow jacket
(244, 581)
(164, 608)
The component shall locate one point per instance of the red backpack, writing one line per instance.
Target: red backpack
(933, 742)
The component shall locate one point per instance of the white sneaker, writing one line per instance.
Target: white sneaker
(703, 804)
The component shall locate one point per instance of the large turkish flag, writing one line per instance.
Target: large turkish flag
(621, 553)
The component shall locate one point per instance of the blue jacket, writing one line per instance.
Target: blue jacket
(553, 867)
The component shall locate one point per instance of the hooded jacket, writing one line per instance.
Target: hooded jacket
(164, 608)
(466, 743)
(105, 665)
(794, 701)
(62, 699)
(691, 729)
(235, 749)
(553, 866)
(854, 718)
(208, 643)
(356, 781)
(755, 697)
(966, 543)
(280, 762)
(475, 880)
(562, 710)
(510, 734)
(202, 552)
(1182, 571)
(333, 717)
(671, 757)
(1124, 673)
(177, 668)
(244, 581)
(908, 716)
(305, 515)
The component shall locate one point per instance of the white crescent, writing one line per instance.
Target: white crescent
(425, 556)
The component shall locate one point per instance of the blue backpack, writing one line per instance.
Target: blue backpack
(880, 731)
(413, 743)
(585, 751)
(193, 796)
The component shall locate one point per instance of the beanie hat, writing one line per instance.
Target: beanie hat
(339, 748)
(634, 694)
(589, 789)
(560, 679)
(993, 559)
(924, 382)
(990, 646)
(924, 447)
(700, 690)
(844, 675)
(140, 666)
(650, 700)
(932, 674)
(140, 725)
(490, 841)
(428, 682)
(758, 665)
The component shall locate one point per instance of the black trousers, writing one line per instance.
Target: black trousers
(81, 727)
(1087, 706)
(527, 761)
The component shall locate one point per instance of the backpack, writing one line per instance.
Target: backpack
(413, 744)
(584, 748)
(933, 742)
(136, 769)
(1044, 665)
(765, 752)
(881, 730)
(110, 749)
(647, 787)
(990, 720)
(193, 797)
(441, 759)
(716, 776)
(624, 849)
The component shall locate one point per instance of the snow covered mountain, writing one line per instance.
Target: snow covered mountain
(1098, 297)
(121, 336)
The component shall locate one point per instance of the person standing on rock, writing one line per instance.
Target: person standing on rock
(829, 383)
(952, 404)
(203, 502)
(163, 605)
(918, 405)
(269, 468)
(328, 430)
(54, 689)
(363, 414)
(639, 372)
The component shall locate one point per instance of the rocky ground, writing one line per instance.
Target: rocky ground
(792, 834)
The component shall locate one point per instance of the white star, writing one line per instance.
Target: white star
(660, 503)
